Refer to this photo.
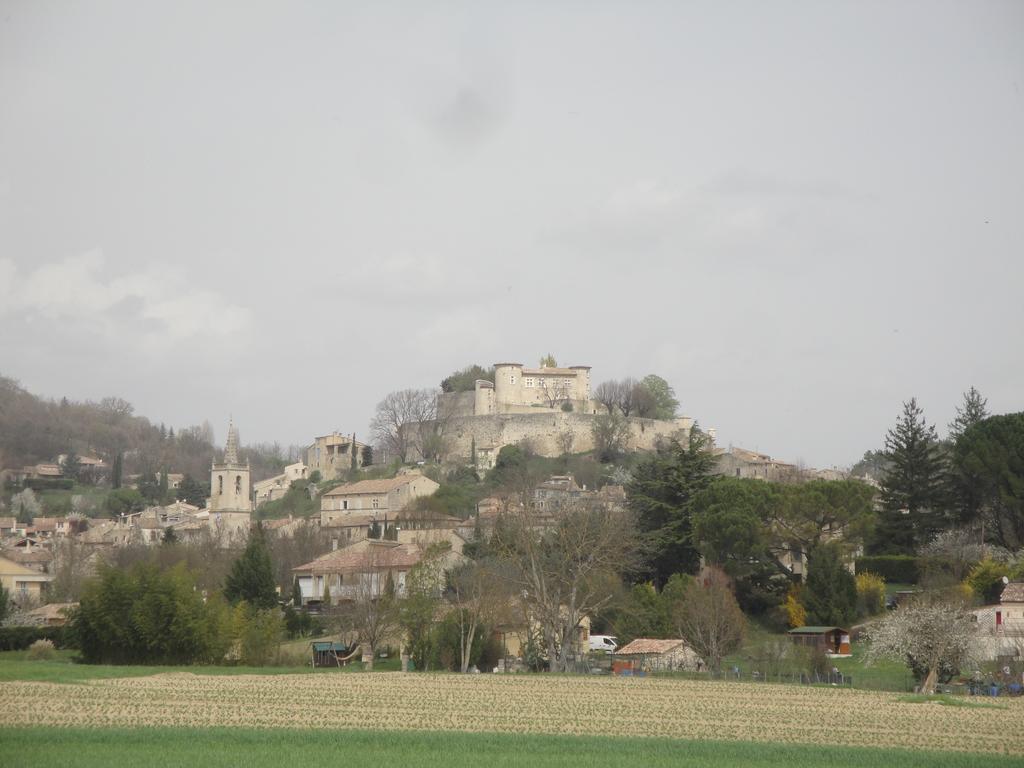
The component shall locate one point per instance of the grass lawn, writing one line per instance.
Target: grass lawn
(882, 675)
(198, 748)
(63, 669)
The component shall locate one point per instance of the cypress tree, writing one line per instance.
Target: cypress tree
(118, 471)
(72, 466)
(830, 592)
(252, 576)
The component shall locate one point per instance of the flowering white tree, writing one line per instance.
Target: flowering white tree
(931, 635)
(25, 506)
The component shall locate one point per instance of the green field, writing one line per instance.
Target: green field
(216, 748)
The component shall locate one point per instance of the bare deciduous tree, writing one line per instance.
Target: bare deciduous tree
(72, 565)
(566, 441)
(643, 401)
(709, 619)
(555, 390)
(932, 634)
(479, 592)
(566, 571)
(293, 546)
(371, 614)
(607, 394)
(398, 423)
(628, 388)
(611, 435)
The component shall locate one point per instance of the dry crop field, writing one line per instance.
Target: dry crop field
(538, 704)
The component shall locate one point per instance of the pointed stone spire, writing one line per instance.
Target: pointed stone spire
(231, 447)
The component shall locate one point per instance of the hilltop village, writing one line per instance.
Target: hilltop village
(355, 487)
(566, 512)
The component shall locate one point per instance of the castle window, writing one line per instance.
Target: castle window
(220, 485)
(238, 484)
(529, 383)
(375, 503)
(344, 504)
(512, 379)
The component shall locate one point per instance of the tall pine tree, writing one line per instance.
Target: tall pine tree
(970, 413)
(252, 575)
(913, 488)
(661, 494)
(965, 484)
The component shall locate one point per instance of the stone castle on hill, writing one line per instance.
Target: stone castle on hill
(551, 409)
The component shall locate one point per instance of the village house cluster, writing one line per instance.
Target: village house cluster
(377, 532)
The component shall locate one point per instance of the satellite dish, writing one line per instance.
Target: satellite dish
(1006, 579)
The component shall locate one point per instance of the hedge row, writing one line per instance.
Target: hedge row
(908, 569)
(899, 569)
(20, 638)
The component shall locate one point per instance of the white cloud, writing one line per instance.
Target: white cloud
(77, 289)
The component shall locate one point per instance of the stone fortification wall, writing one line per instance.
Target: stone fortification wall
(549, 433)
(457, 404)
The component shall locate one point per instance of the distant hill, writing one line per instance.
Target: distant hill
(35, 429)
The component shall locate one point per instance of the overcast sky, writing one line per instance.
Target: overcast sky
(799, 213)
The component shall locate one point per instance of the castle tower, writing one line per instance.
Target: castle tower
(508, 385)
(230, 489)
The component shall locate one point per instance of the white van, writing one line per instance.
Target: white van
(606, 643)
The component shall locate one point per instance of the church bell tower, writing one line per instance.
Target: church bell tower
(230, 489)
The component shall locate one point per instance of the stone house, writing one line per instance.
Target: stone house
(362, 570)
(331, 455)
(1001, 626)
(25, 585)
(152, 522)
(277, 486)
(513, 632)
(377, 498)
(655, 655)
(739, 462)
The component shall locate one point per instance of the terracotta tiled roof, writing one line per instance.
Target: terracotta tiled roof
(189, 524)
(550, 371)
(373, 557)
(351, 521)
(8, 522)
(44, 523)
(372, 486)
(1013, 592)
(36, 556)
(426, 516)
(648, 646)
(52, 611)
(98, 531)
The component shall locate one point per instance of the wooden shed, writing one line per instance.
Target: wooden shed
(835, 641)
(328, 654)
